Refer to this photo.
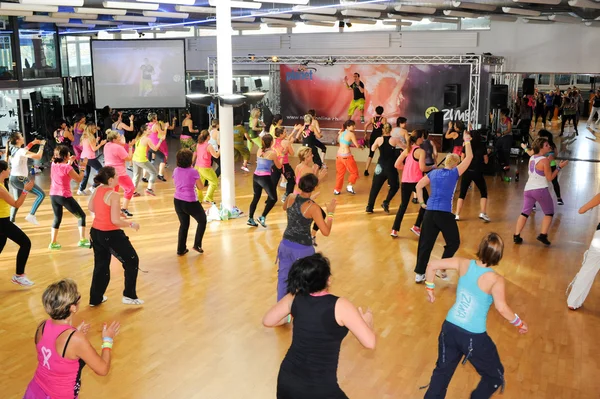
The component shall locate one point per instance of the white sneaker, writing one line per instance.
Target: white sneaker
(84, 192)
(245, 169)
(283, 184)
(104, 299)
(484, 217)
(350, 189)
(129, 301)
(457, 217)
(22, 280)
(32, 219)
(419, 278)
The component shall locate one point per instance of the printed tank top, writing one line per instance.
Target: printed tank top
(298, 227)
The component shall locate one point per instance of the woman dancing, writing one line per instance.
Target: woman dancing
(309, 137)
(551, 155)
(78, 128)
(119, 126)
(378, 121)
(474, 173)
(187, 181)
(158, 133)
(189, 135)
(256, 127)
(385, 169)
(62, 350)
(266, 158)
(464, 330)
(277, 122)
(10, 231)
(89, 145)
(203, 157)
(536, 190)
(64, 135)
(215, 142)
(454, 133)
(504, 139)
(61, 174)
(345, 160)
(412, 160)
(19, 173)
(439, 217)
(321, 322)
(305, 167)
(240, 150)
(283, 148)
(141, 163)
(115, 155)
(315, 127)
(109, 239)
(297, 241)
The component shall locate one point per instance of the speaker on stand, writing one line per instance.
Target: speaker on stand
(452, 96)
(528, 86)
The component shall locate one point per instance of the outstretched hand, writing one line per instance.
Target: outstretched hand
(83, 327)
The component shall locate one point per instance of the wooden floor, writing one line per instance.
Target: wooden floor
(199, 335)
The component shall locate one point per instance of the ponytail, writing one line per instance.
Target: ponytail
(414, 137)
(142, 131)
(267, 141)
(61, 153)
(204, 135)
(104, 175)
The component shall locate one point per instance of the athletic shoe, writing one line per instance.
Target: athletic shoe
(416, 230)
(394, 233)
(543, 238)
(362, 119)
(457, 217)
(198, 249)
(136, 194)
(414, 200)
(484, 217)
(252, 222)
(54, 245)
(369, 209)
(145, 179)
(32, 219)
(245, 169)
(85, 243)
(92, 189)
(149, 191)
(183, 253)
(517, 239)
(560, 201)
(283, 198)
(126, 213)
(262, 220)
(129, 301)
(22, 280)
(336, 192)
(161, 178)
(442, 274)
(366, 173)
(419, 278)
(534, 208)
(386, 206)
(314, 241)
(82, 192)
(104, 299)
(350, 189)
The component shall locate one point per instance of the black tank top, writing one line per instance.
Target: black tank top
(377, 126)
(308, 137)
(386, 153)
(314, 354)
(298, 227)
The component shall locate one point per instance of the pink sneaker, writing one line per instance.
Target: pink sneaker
(416, 230)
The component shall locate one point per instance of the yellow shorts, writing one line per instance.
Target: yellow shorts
(354, 104)
(146, 85)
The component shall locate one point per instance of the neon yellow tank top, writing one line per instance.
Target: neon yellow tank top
(141, 152)
(4, 207)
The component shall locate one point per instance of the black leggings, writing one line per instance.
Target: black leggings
(10, 231)
(158, 156)
(288, 173)
(184, 210)
(389, 173)
(472, 176)
(502, 146)
(539, 113)
(406, 190)
(92, 163)
(565, 119)
(555, 183)
(259, 184)
(58, 202)
(435, 222)
(105, 245)
(374, 136)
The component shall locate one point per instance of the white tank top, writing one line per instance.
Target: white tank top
(535, 181)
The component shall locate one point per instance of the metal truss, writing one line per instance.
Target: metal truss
(274, 94)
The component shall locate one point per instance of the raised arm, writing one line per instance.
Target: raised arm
(464, 165)
(317, 216)
(83, 349)
(5, 195)
(154, 147)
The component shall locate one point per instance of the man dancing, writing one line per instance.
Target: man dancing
(358, 89)
(146, 85)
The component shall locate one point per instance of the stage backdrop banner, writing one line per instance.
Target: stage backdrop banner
(412, 91)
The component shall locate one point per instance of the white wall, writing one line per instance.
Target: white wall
(554, 48)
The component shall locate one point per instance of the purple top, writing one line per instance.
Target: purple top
(185, 184)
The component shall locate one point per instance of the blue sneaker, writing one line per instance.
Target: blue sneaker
(262, 221)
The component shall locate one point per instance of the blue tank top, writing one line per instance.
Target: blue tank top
(263, 167)
(343, 139)
(443, 184)
(472, 305)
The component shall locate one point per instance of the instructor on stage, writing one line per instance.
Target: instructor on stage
(358, 88)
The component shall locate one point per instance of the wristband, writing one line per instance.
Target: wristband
(422, 203)
(107, 339)
(106, 349)
(330, 214)
(558, 168)
(108, 345)
(24, 192)
(430, 286)
(131, 224)
(467, 142)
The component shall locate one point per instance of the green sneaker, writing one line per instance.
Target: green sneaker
(85, 243)
(54, 245)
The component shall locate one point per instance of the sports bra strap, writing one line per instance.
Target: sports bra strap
(310, 202)
(67, 343)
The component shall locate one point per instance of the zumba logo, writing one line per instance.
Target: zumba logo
(298, 75)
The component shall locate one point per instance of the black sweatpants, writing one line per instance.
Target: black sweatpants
(92, 163)
(184, 210)
(288, 173)
(59, 202)
(259, 184)
(565, 119)
(406, 190)
(454, 343)
(555, 183)
(10, 231)
(435, 222)
(476, 177)
(374, 136)
(549, 113)
(389, 174)
(106, 244)
(502, 146)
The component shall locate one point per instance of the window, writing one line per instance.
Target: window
(475, 24)
(562, 80)
(543, 79)
(583, 79)
(76, 58)
(431, 24)
(38, 54)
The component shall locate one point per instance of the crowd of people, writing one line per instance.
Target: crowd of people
(408, 162)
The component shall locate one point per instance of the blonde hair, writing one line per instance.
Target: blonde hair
(87, 133)
(254, 113)
(387, 128)
(214, 123)
(303, 153)
(452, 160)
(151, 116)
(308, 119)
(111, 135)
(58, 298)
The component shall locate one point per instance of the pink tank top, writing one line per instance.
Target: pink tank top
(102, 220)
(203, 157)
(164, 148)
(279, 148)
(57, 376)
(412, 172)
(60, 181)
(88, 152)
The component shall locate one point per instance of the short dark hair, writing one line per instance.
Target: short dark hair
(104, 174)
(276, 118)
(267, 141)
(61, 152)
(349, 123)
(460, 125)
(491, 249)
(279, 131)
(379, 110)
(313, 113)
(308, 182)
(184, 158)
(309, 275)
(357, 74)
(400, 121)
(3, 166)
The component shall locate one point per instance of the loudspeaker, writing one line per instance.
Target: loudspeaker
(528, 86)
(435, 122)
(258, 83)
(498, 96)
(452, 96)
(245, 89)
(199, 116)
(197, 86)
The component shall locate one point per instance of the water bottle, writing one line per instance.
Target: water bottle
(507, 179)
(32, 171)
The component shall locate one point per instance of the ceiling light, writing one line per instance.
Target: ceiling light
(444, 20)
(396, 23)
(536, 21)
(238, 4)
(73, 15)
(396, 16)
(244, 19)
(502, 18)
(310, 17)
(550, 2)
(25, 7)
(102, 11)
(364, 6)
(318, 23)
(315, 10)
(130, 5)
(131, 18)
(11, 13)
(473, 6)
(196, 10)
(584, 4)
(262, 13)
(462, 14)
(75, 25)
(42, 18)
(359, 13)
(66, 3)
(98, 22)
(284, 1)
(361, 21)
(243, 26)
(278, 21)
(521, 11)
(286, 25)
(417, 10)
(183, 2)
(564, 19)
(161, 14)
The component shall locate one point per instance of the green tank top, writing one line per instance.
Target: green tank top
(141, 152)
(238, 135)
